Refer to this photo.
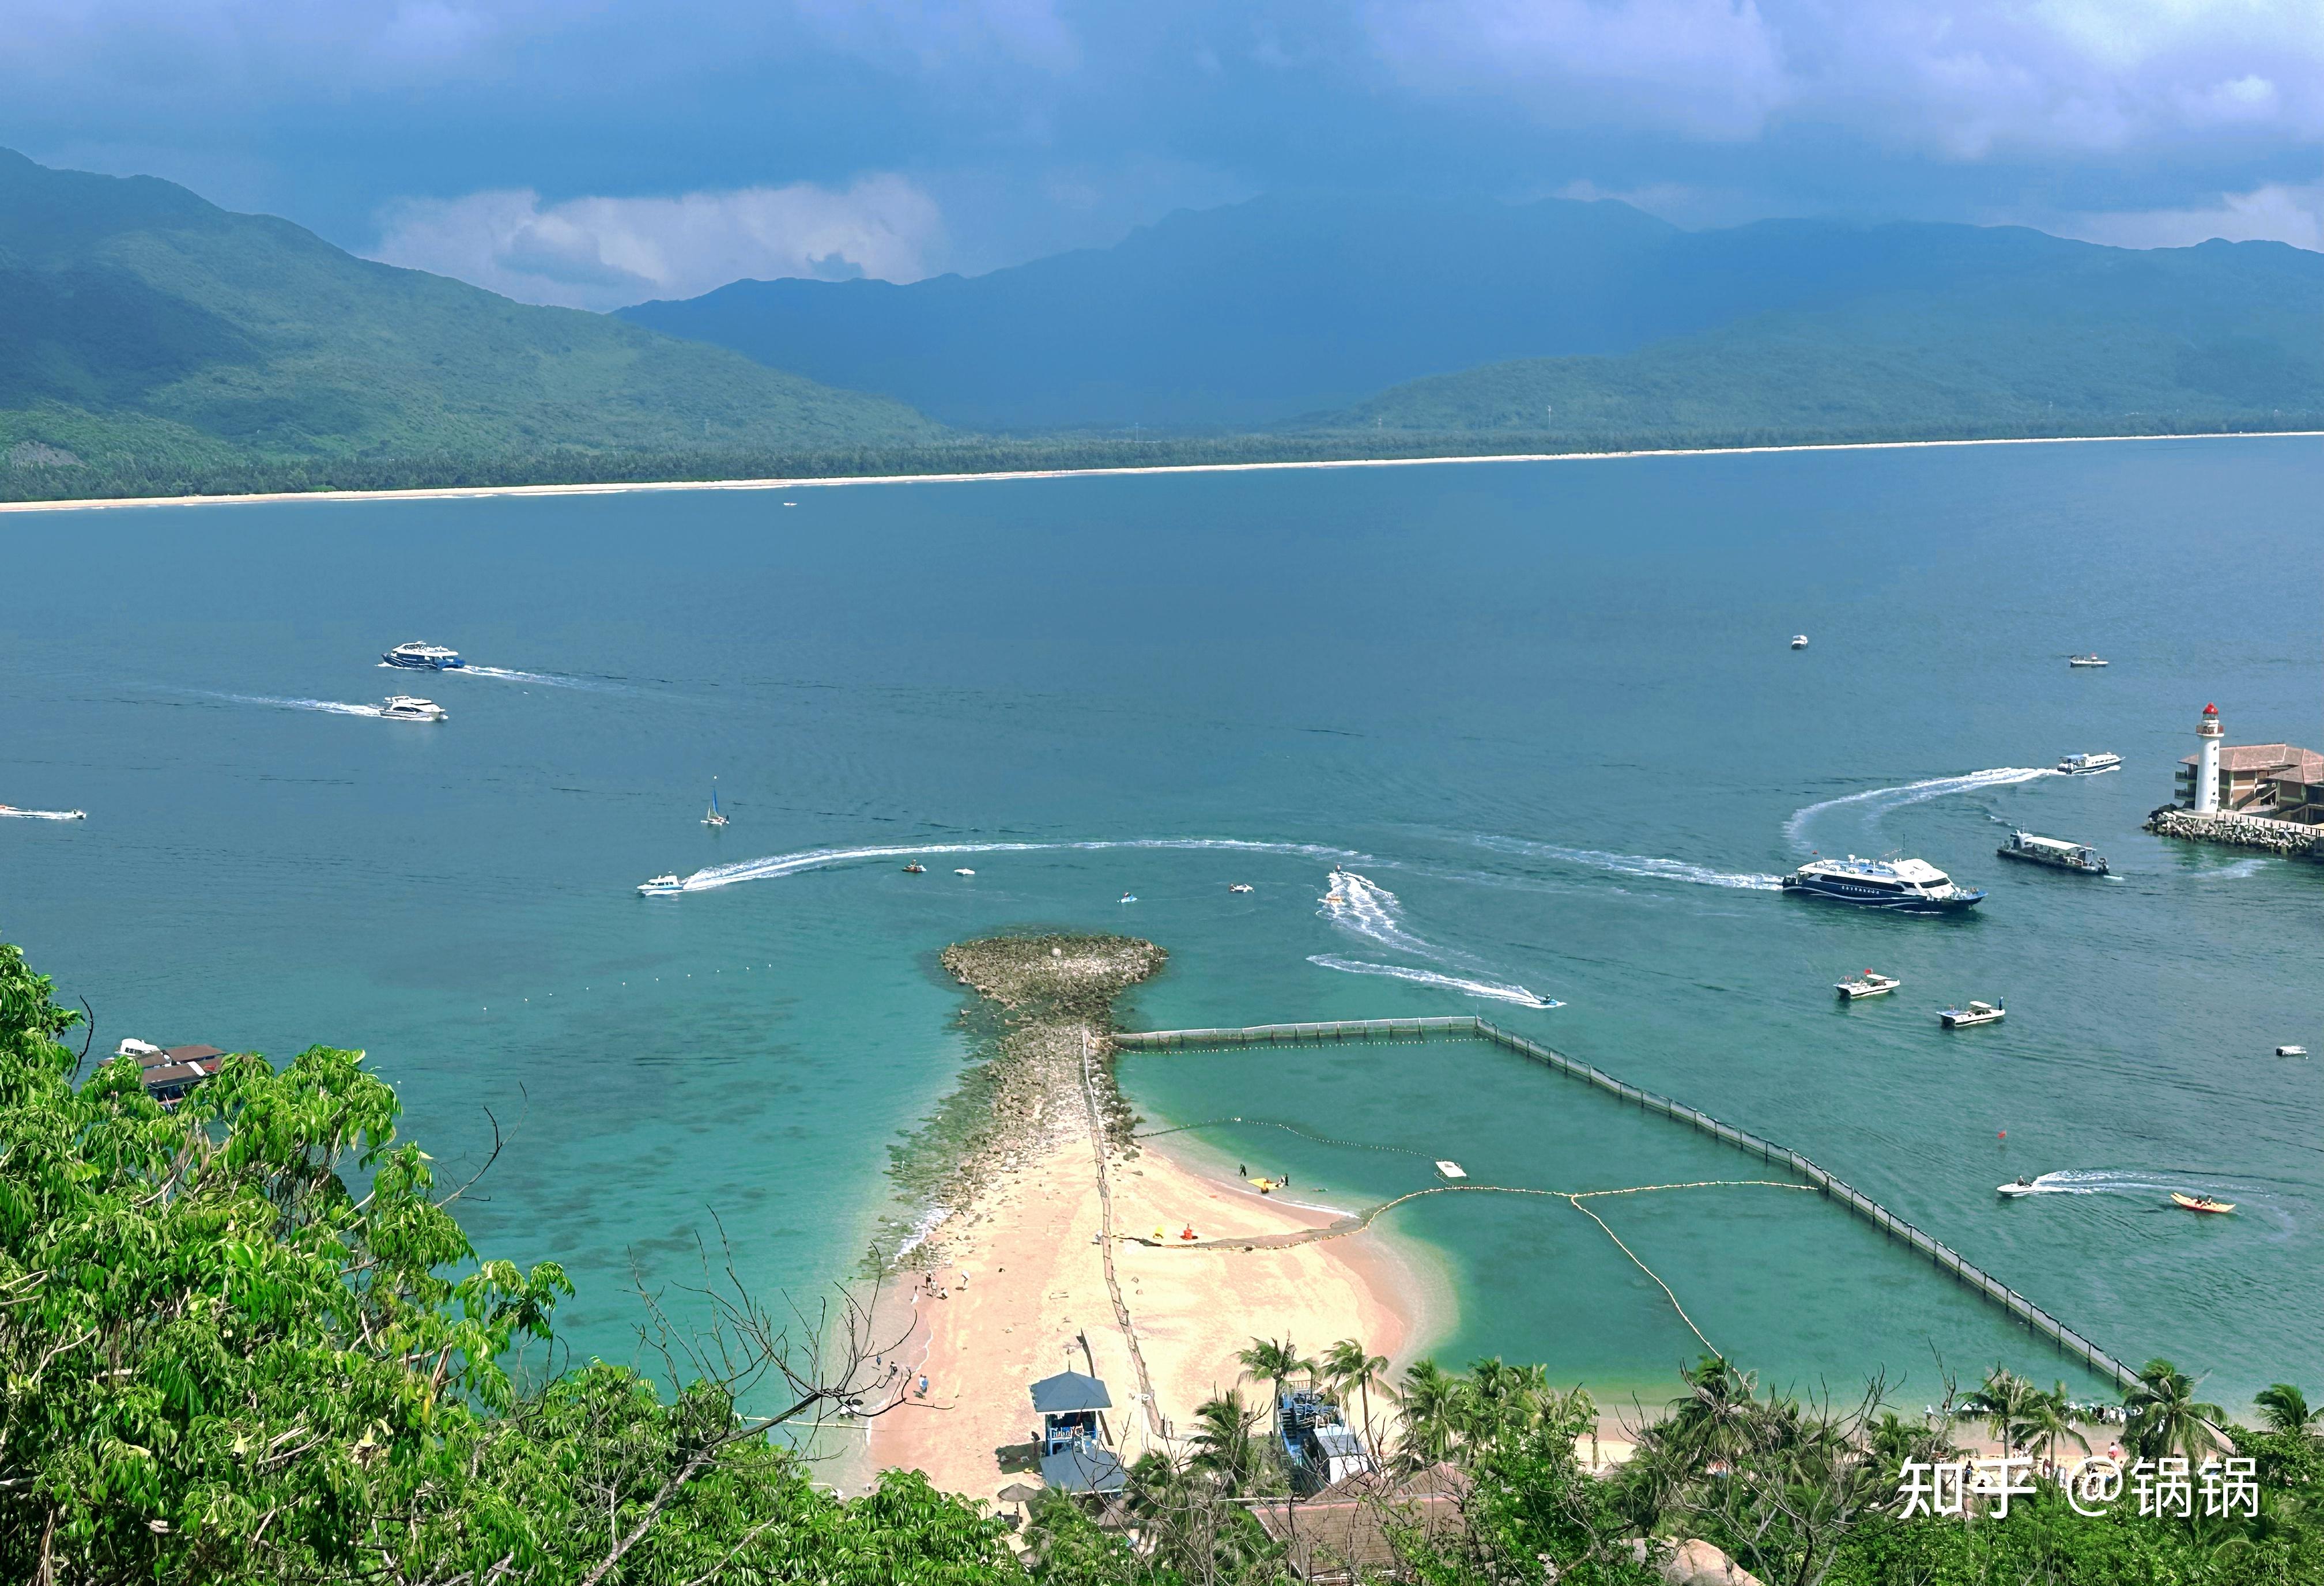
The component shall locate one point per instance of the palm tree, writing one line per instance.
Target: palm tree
(2284, 1408)
(2165, 1417)
(1431, 1403)
(1347, 1367)
(1223, 1445)
(2049, 1419)
(2010, 1409)
(1273, 1360)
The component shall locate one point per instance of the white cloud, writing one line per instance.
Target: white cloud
(604, 252)
(1964, 80)
(2276, 212)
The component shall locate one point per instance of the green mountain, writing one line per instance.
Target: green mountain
(143, 330)
(2070, 339)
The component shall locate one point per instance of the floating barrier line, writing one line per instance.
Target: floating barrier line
(1469, 1027)
(1642, 1267)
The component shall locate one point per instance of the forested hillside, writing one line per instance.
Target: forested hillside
(145, 332)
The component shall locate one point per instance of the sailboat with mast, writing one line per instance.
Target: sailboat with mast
(717, 817)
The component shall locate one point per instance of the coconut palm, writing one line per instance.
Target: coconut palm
(1348, 1368)
(2284, 1408)
(2050, 1420)
(2011, 1409)
(1274, 1361)
(1430, 1400)
(2166, 1417)
(1224, 1448)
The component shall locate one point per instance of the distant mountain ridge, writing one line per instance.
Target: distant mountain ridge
(139, 320)
(1302, 310)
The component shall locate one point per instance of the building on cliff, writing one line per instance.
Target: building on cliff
(2282, 781)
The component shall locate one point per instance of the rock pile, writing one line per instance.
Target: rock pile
(2279, 838)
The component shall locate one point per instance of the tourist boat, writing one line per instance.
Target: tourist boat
(1975, 1013)
(2024, 1186)
(76, 814)
(1904, 886)
(2084, 660)
(716, 818)
(2090, 765)
(409, 707)
(433, 658)
(2292, 1051)
(916, 869)
(1239, 887)
(2053, 852)
(668, 885)
(1871, 983)
(2201, 1204)
(1799, 641)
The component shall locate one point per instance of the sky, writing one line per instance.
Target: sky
(597, 152)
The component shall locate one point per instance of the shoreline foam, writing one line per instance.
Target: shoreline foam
(483, 491)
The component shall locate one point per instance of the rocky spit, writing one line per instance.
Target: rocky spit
(2283, 838)
(1035, 996)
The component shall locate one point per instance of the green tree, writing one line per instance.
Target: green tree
(1348, 1370)
(1430, 1405)
(2285, 1410)
(1224, 1448)
(2165, 1417)
(1275, 1362)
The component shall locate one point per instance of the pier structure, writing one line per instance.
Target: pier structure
(1469, 1027)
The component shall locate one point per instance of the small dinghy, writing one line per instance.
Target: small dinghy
(1871, 983)
(2084, 660)
(717, 817)
(1239, 887)
(963, 871)
(2024, 1186)
(2202, 1203)
(1799, 641)
(916, 869)
(1129, 897)
(1975, 1013)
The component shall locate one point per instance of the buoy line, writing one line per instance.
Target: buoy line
(1324, 1139)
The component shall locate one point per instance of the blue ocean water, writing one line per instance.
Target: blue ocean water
(1547, 711)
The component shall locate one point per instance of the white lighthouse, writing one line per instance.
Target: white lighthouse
(2206, 762)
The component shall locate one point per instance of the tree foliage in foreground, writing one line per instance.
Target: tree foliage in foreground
(221, 1361)
(247, 1342)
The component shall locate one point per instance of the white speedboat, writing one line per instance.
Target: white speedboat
(2084, 660)
(2024, 1186)
(1799, 641)
(1975, 1013)
(2292, 1051)
(716, 818)
(1129, 897)
(433, 658)
(2090, 765)
(1239, 887)
(1871, 983)
(410, 707)
(669, 886)
(963, 871)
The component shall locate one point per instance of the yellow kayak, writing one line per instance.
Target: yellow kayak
(2200, 1203)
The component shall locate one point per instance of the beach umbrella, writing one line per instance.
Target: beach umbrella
(1017, 1492)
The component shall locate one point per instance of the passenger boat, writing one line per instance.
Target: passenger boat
(2292, 1051)
(716, 818)
(2090, 765)
(668, 885)
(1871, 983)
(916, 869)
(409, 707)
(2201, 1204)
(2084, 660)
(1239, 887)
(2054, 852)
(1903, 885)
(433, 658)
(1799, 641)
(1975, 1013)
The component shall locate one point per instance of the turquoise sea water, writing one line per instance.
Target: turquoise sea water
(1546, 710)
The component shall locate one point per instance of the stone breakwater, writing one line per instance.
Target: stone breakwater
(2241, 831)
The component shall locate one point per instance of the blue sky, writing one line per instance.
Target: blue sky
(599, 151)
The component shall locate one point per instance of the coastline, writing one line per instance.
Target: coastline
(1026, 1295)
(481, 492)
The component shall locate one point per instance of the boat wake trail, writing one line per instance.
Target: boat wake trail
(1642, 866)
(807, 859)
(12, 813)
(1429, 977)
(2103, 1181)
(546, 679)
(1884, 799)
(332, 707)
(1365, 908)
(2235, 872)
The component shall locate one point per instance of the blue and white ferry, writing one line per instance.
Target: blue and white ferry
(1904, 886)
(435, 657)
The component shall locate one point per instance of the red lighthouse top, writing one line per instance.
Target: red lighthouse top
(2210, 710)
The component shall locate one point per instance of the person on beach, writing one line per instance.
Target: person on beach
(922, 1392)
